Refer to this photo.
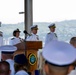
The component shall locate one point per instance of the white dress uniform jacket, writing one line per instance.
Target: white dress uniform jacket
(32, 37)
(1, 38)
(11, 62)
(21, 72)
(50, 36)
(73, 72)
(14, 41)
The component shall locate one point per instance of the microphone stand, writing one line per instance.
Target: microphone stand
(25, 32)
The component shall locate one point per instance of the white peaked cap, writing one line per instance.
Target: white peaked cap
(59, 53)
(34, 26)
(8, 48)
(52, 24)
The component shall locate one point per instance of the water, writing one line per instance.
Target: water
(65, 30)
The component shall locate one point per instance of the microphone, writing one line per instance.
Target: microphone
(26, 32)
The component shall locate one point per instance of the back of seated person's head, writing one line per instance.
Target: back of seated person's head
(56, 69)
(7, 56)
(73, 41)
(20, 62)
(4, 68)
(58, 56)
(7, 51)
(18, 67)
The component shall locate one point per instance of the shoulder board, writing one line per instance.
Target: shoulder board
(55, 34)
(37, 35)
(12, 38)
(19, 38)
(49, 33)
(30, 34)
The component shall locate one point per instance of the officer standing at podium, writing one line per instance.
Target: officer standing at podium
(16, 37)
(33, 36)
(58, 58)
(51, 35)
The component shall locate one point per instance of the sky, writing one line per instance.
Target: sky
(43, 10)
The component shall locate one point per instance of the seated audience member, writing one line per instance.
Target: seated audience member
(5, 68)
(58, 58)
(7, 52)
(73, 41)
(20, 64)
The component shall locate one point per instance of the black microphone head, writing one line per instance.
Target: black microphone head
(25, 32)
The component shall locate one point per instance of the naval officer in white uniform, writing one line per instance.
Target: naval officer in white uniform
(16, 37)
(58, 57)
(1, 38)
(51, 35)
(7, 55)
(33, 36)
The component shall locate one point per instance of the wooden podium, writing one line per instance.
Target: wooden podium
(30, 48)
